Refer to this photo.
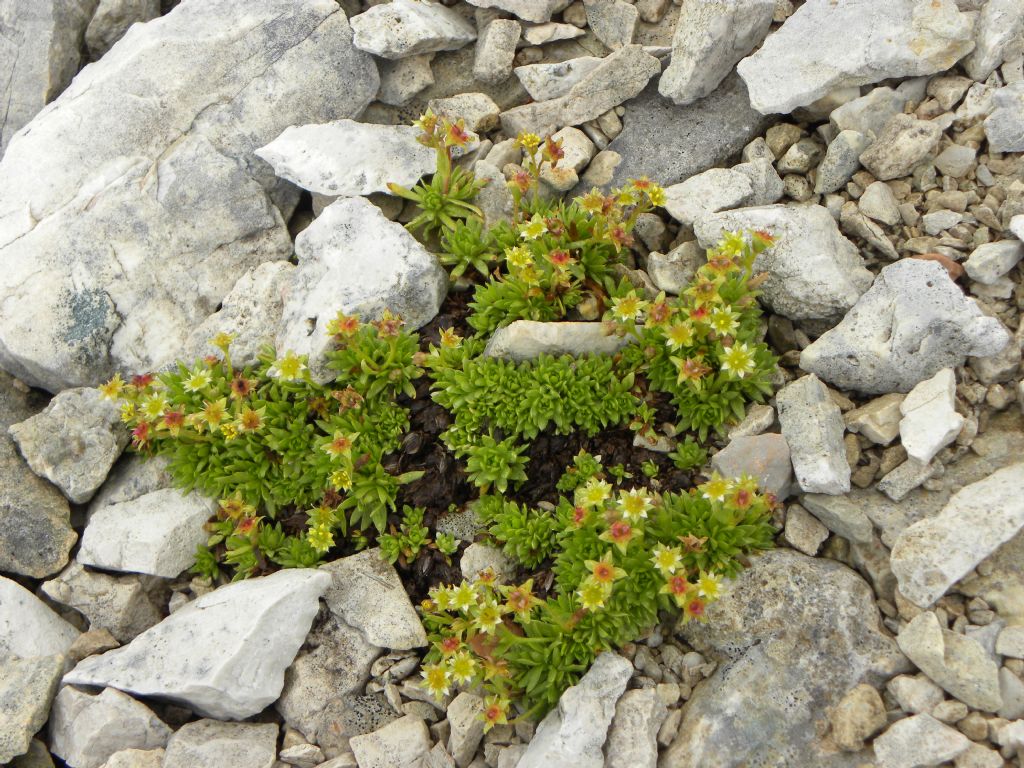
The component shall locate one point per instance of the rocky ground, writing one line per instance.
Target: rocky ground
(156, 195)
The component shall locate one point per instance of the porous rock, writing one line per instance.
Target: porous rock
(762, 703)
(144, 217)
(912, 322)
(224, 654)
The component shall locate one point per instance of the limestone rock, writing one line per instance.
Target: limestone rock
(224, 654)
(496, 50)
(35, 527)
(766, 457)
(804, 531)
(913, 322)
(367, 594)
(933, 554)
(955, 662)
(335, 666)
(613, 22)
(930, 421)
(554, 79)
(904, 143)
(120, 604)
(467, 727)
(225, 745)
(408, 27)
(825, 46)
(478, 111)
(27, 625)
(713, 190)
(710, 38)
(136, 758)
(1005, 126)
(920, 740)
(27, 687)
(840, 517)
(998, 34)
(869, 113)
(402, 79)
(857, 717)
(633, 736)
(765, 699)
(113, 18)
(814, 273)
(990, 261)
(619, 77)
(157, 533)
(528, 10)
(400, 744)
(574, 732)
(526, 339)
(354, 260)
(251, 312)
(813, 426)
(478, 557)
(878, 420)
(39, 54)
(85, 730)
(841, 161)
(74, 442)
(344, 158)
(144, 217)
(670, 143)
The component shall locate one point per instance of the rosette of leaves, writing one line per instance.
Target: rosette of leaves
(528, 535)
(495, 464)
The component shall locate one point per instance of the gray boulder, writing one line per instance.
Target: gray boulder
(353, 259)
(827, 45)
(912, 322)
(998, 34)
(74, 442)
(224, 654)
(40, 51)
(791, 636)
(35, 526)
(27, 688)
(144, 213)
(814, 273)
(710, 38)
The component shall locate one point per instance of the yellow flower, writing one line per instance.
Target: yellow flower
(680, 334)
(339, 445)
(678, 587)
(113, 388)
(594, 493)
(153, 407)
(535, 228)
(725, 321)
(620, 533)
(520, 600)
(464, 597)
(198, 381)
(435, 680)
(592, 595)
(450, 339)
(495, 712)
(222, 341)
(709, 586)
(288, 368)
(592, 202)
(667, 559)
(320, 538)
(528, 141)
(737, 360)
(127, 412)
(488, 617)
(518, 257)
(229, 431)
(634, 504)
(715, 488)
(656, 194)
(251, 420)
(341, 480)
(214, 413)
(628, 307)
(463, 667)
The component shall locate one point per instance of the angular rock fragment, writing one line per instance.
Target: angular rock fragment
(225, 745)
(27, 688)
(28, 627)
(404, 28)
(526, 339)
(813, 426)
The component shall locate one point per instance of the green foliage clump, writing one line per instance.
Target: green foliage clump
(620, 558)
(491, 463)
(403, 544)
(584, 466)
(268, 440)
(689, 454)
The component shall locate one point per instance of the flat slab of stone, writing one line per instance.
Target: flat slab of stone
(28, 627)
(344, 158)
(526, 339)
(225, 745)
(404, 28)
(224, 654)
(933, 554)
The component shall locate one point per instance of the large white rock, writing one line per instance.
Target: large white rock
(933, 554)
(813, 427)
(913, 322)
(528, 10)
(345, 158)
(156, 533)
(957, 663)
(526, 339)
(574, 732)
(990, 261)
(136, 201)
(27, 625)
(353, 259)
(366, 593)
(930, 421)
(633, 737)
(710, 37)
(40, 51)
(998, 34)
(225, 745)
(74, 442)
(918, 741)
(1004, 128)
(224, 654)
(408, 27)
(827, 45)
(814, 273)
(400, 744)
(27, 688)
